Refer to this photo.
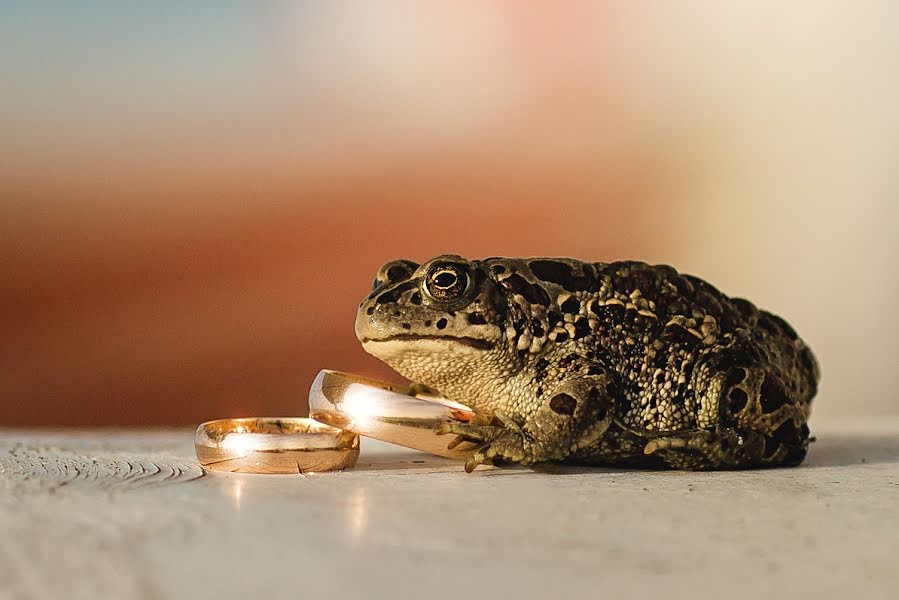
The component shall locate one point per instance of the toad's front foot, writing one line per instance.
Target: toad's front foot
(506, 443)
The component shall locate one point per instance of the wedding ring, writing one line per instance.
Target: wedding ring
(274, 445)
(388, 413)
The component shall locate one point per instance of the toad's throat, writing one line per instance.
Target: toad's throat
(465, 341)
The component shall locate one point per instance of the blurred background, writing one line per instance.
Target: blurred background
(194, 197)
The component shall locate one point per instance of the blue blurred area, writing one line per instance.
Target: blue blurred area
(106, 64)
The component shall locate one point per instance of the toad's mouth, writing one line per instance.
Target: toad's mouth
(408, 337)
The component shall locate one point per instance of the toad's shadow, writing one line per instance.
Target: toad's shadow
(830, 450)
(844, 449)
(409, 460)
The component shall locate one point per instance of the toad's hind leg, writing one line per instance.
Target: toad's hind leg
(751, 419)
(757, 400)
(709, 449)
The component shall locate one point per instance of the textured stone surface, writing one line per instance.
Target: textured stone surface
(130, 515)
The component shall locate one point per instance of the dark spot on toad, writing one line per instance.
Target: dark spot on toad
(397, 272)
(533, 293)
(572, 305)
(738, 400)
(581, 328)
(563, 404)
(476, 318)
(555, 318)
(562, 274)
(391, 296)
(441, 324)
(552, 271)
(594, 396)
(773, 395)
(735, 377)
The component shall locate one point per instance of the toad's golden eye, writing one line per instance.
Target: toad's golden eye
(445, 283)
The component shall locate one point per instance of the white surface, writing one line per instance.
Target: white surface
(128, 515)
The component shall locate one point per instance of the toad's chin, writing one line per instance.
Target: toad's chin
(438, 362)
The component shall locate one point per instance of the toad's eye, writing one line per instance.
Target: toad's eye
(445, 280)
(446, 283)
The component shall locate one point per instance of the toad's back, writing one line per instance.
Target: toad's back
(661, 326)
(684, 355)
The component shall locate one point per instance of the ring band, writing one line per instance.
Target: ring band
(274, 445)
(385, 412)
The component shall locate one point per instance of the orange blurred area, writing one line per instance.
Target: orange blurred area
(193, 202)
(232, 311)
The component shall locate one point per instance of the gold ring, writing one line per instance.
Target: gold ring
(385, 412)
(274, 445)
